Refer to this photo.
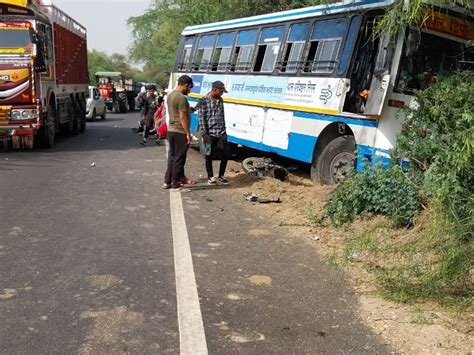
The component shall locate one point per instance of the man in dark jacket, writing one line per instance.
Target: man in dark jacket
(150, 109)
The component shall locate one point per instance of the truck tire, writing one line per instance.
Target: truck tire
(68, 127)
(122, 99)
(81, 111)
(332, 164)
(47, 133)
(131, 103)
(76, 118)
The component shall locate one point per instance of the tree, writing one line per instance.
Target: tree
(409, 12)
(100, 61)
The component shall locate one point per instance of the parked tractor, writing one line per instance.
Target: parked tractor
(118, 93)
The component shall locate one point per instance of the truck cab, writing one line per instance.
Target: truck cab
(40, 95)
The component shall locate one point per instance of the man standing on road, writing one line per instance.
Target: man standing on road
(150, 109)
(179, 136)
(212, 121)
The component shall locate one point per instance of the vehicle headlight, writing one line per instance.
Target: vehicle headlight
(26, 114)
(16, 115)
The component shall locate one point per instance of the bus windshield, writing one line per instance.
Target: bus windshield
(14, 38)
(426, 56)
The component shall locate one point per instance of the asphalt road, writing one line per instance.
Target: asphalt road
(90, 261)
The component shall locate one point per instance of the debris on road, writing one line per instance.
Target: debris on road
(264, 167)
(250, 197)
(269, 200)
(92, 164)
(254, 198)
(315, 238)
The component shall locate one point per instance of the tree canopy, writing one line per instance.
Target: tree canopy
(100, 61)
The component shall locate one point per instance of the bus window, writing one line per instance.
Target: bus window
(424, 57)
(186, 54)
(294, 47)
(268, 49)
(349, 45)
(204, 52)
(324, 46)
(222, 52)
(243, 52)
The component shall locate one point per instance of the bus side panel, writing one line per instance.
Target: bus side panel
(245, 122)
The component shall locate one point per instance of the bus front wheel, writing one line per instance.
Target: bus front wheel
(334, 162)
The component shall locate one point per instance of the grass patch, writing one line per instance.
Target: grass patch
(413, 264)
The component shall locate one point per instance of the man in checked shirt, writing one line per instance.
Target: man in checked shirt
(211, 119)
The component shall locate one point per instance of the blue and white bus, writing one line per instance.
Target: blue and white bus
(313, 84)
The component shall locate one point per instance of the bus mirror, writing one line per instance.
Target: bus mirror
(33, 36)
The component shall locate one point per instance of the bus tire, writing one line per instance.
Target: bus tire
(332, 164)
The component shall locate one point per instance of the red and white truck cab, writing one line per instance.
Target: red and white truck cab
(43, 73)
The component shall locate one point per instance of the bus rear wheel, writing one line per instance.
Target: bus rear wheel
(334, 162)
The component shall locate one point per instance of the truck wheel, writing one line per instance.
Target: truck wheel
(116, 107)
(68, 127)
(334, 161)
(122, 99)
(47, 133)
(75, 118)
(81, 118)
(131, 103)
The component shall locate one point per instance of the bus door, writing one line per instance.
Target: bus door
(380, 78)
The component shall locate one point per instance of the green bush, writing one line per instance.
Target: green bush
(437, 139)
(376, 190)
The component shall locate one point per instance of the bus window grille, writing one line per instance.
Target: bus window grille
(320, 66)
(243, 66)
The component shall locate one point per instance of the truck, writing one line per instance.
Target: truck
(118, 91)
(43, 74)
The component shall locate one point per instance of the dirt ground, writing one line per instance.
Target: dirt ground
(412, 329)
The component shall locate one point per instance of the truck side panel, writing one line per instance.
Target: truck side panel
(71, 57)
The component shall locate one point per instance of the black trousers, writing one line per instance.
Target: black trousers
(178, 149)
(148, 126)
(219, 151)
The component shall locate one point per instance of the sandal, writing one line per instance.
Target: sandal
(166, 186)
(188, 181)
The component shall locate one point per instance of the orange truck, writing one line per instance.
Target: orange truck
(43, 74)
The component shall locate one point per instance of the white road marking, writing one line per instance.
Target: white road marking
(192, 339)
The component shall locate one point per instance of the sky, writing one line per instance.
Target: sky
(105, 20)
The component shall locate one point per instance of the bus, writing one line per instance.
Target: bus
(316, 84)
